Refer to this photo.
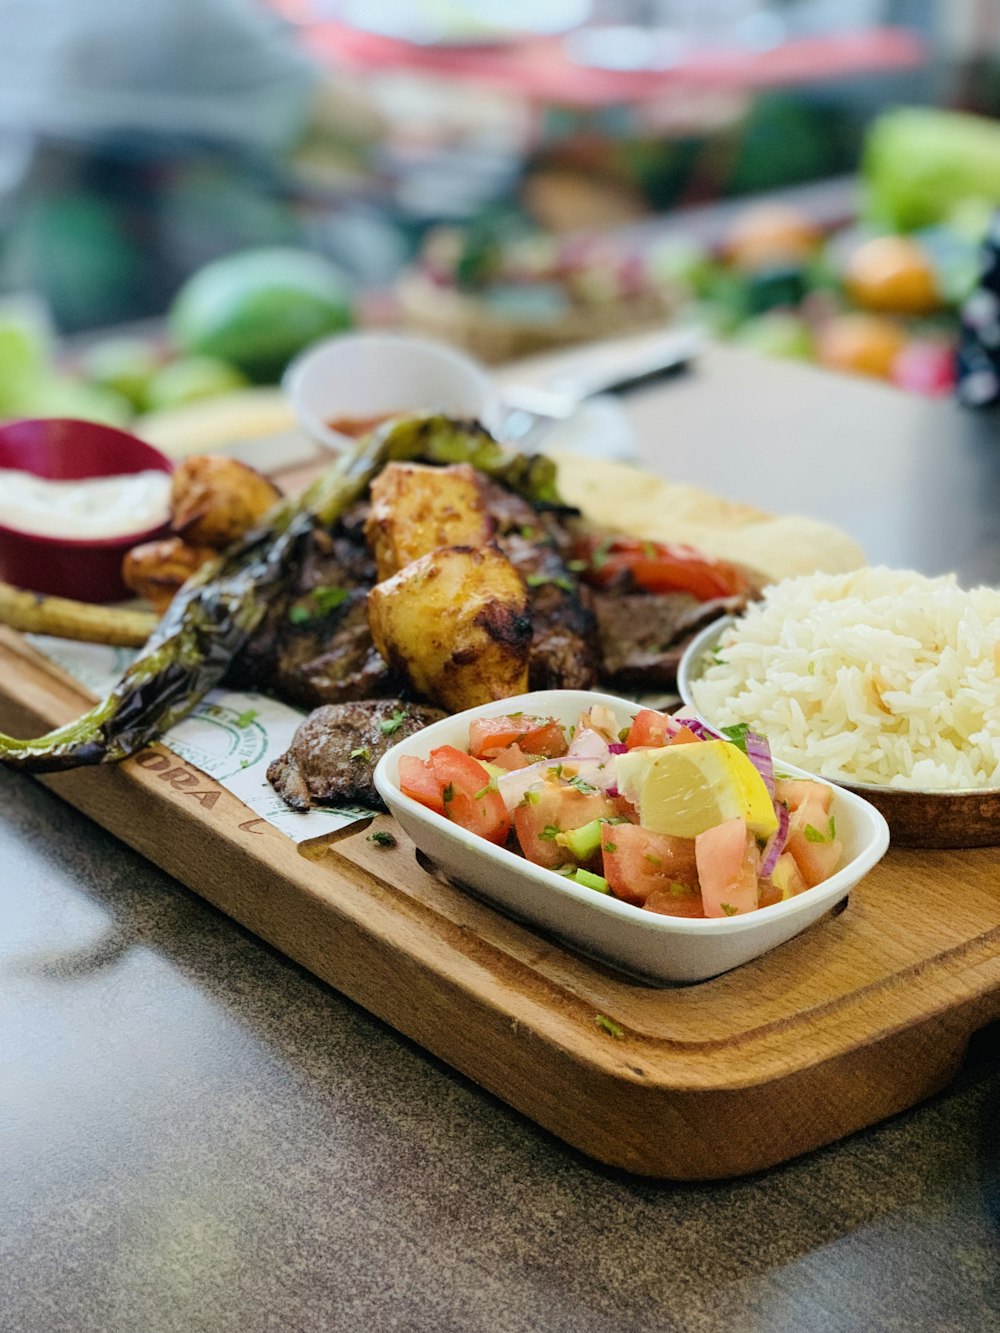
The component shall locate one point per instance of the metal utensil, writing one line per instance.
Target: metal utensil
(527, 412)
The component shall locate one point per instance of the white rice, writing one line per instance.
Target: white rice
(880, 676)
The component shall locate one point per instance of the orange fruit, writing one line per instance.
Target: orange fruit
(769, 235)
(892, 275)
(861, 344)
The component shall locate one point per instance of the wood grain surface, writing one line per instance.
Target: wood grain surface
(863, 1015)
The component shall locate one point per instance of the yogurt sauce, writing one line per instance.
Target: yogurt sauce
(95, 509)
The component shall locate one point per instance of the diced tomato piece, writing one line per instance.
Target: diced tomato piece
(728, 861)
(417, 780)
(639, 863)
(511, 757)
(678, 900)
(793, 791)
(537, 735)
(660, 567)
(811, 839)
(648, 728)
(469, 798)
(557, 809)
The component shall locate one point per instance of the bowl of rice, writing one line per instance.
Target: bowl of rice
(883, 681)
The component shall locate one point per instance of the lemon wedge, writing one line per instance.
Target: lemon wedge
(685, 789)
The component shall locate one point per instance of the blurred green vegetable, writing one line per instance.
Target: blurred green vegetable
(124, 365)
(919, 163)
(190, 379)
(256, 309)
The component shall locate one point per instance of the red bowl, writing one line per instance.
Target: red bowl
(61, 449)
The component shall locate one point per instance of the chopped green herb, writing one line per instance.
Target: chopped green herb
(327, 598)
(729, 909)
(382, 838)
(490, 786)
(557, 580)
(717, 658)
(246, 718)
(601, 553)
(300, 615)
(611, 847)
(449, 793)
(738, 735)
(678, 889)
(530, 798)
(576, 566)
(549, 833)
(609, 1026)
(585, 787)
(516, 715)
(362, 752)
(391, 725)
(653, 859)
(813, 834)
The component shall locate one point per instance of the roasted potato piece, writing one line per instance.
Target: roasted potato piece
(417, 509)
(155, 570)
(214, 500)
(455, 623)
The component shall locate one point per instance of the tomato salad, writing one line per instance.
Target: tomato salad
(668, 815)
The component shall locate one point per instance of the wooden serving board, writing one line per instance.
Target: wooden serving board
(860, 1017)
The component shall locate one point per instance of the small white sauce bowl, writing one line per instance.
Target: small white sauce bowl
(658, 949)
(360, 375)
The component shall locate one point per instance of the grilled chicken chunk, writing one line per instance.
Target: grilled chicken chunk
(455, 625)
(415, 509)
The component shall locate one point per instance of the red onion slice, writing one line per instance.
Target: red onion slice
(759, 754)
(775, 844)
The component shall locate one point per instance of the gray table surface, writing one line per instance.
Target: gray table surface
(196, 1136)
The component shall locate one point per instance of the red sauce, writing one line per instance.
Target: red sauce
(355, 427)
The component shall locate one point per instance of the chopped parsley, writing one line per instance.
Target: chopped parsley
(322, 601)
(490, 786)
(549, 833)
(382, 838)
(362, 752)
(557, 580)
(653, 859)
(584, 787)
(678, 889)
(609, 1026)
(391, 725)
(738, 735)
(601, 552)
(611, 847)
(813, 834)
(246, 718)
(449, 793)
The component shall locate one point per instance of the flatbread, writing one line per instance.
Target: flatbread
(629, 499)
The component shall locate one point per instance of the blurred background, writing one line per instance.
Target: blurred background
(203, 186)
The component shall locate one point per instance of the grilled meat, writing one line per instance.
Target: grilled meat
(643, 635)
(563, 628)
(333, 753)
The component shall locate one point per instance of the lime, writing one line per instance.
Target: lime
(192, 378)
(124, 365)
(56, 396)
(685, 789)
(256, 309)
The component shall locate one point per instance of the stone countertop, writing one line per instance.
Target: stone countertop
(196, 1136)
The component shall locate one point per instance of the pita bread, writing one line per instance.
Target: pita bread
(631, 500)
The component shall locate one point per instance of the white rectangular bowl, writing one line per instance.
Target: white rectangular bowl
(659, 949)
